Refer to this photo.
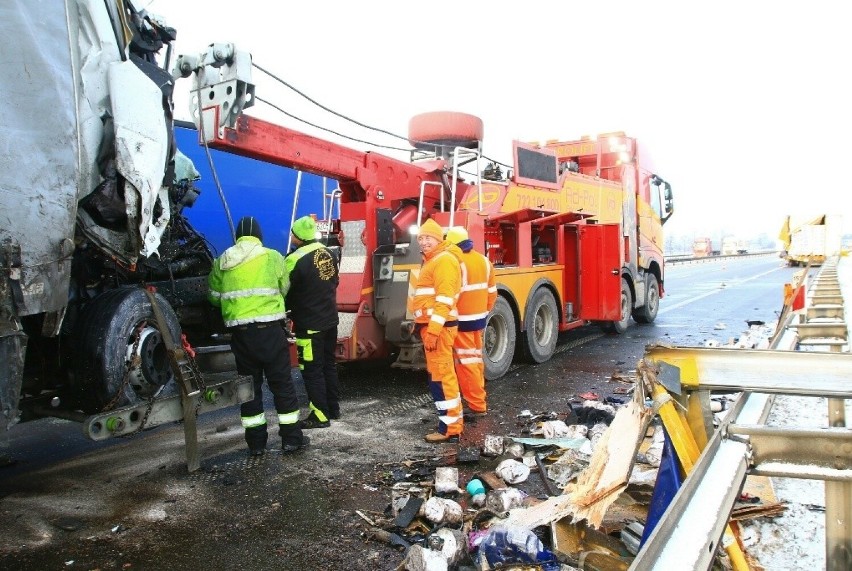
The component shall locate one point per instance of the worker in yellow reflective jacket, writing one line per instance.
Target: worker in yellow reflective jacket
(247, 284)
(436, 320)
(477, 297)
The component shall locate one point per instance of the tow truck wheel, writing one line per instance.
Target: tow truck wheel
(444, 128)
(115, 327)
(499, 340)
(620, 327)
(648, 312)
(541, 322)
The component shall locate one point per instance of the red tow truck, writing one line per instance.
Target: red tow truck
(573, 228)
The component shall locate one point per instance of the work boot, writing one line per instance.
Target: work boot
(313, 422)
(437, 437)
(473, 415)
(291, 448)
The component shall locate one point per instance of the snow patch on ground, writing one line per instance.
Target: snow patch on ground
(796, 540)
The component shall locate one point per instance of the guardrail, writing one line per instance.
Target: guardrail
(692, 259)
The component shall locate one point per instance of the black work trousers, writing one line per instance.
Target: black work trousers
(319, 370)
(261, 349)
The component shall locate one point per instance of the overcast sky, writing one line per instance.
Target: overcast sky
(745, 106)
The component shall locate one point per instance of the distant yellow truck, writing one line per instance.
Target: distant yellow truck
(810, 240)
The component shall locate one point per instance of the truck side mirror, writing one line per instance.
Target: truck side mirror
(668, 201)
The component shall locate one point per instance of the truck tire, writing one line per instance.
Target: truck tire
(445, 128)
(648, 312)
(498, 345)
(541, 326)
(106, 334)
(619, 327)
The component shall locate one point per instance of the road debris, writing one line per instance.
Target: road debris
(598, 462)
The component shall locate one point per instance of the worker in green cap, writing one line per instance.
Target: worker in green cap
(311, 297)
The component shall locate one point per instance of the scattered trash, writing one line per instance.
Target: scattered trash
(446, 480)
(475, 487)
(492, 480)
(443, 510)
(514, 449)
(594, 413)
(467, 455)
(751, 511)
(512, 471)
(577, 542)
(586, 457)
(408, 512)
(387, 537)
(558, 429)
(494, 445)
(503, 546)
(453, 544)
(631, 536)
(504, 499)
(654, 453)
(542, 472)
(567, 466)
(419, 558)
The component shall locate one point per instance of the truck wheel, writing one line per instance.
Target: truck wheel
(620, 327)
(648, 312)
(444, 128)
(107, 337)
(499, 340)
(541, 322)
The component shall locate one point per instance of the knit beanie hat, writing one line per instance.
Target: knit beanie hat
(457, 235)
(305, 228)
(432, 228)
(249, 226)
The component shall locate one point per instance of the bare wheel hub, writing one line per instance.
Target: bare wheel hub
(153, 370)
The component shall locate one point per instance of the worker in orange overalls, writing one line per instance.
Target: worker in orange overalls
(478, 295)
(436, 321)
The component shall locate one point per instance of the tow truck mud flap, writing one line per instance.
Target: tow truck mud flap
(124, 421)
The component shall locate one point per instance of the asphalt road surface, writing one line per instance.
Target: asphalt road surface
(69, 503)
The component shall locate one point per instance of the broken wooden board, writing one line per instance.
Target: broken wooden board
(753, 511)
(600, 484)
(760, 487)
(609, 469)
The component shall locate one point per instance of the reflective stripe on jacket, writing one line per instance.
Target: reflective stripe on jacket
(437, 289)
(247, 283)
(478, 290)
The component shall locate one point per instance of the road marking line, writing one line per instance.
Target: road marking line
(715, 291)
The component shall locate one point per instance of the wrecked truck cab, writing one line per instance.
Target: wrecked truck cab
(91, 212)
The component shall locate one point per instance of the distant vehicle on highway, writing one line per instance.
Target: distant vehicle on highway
(732, 246)
(703, 247)
(810, 240)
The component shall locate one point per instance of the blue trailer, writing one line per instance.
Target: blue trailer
(251, 188)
